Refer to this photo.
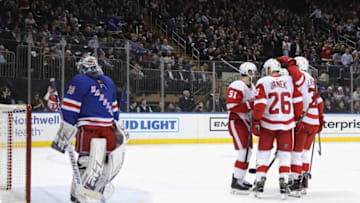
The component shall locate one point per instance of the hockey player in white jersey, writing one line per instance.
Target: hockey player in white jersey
(90, 113)
(239, 102)
(277, 105)
(313, 121)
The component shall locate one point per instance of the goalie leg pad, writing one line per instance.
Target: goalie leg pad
(111, 169)
(95, 166)
(115, 162)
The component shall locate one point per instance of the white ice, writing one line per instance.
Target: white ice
(197, 173)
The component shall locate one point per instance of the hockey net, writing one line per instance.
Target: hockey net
(15, 153)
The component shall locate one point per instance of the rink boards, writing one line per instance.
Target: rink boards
(176, 128)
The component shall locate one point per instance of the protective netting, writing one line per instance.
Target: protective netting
(14, 152)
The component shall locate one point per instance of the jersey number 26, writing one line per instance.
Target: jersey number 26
(284, 102)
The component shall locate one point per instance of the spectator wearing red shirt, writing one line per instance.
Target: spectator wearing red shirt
(326, 51)
(50, 99)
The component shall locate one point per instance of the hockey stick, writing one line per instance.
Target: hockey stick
(248, 144)
(312, 155)
(230, 65)
(76, 174)
(319, 151)
(253, 170)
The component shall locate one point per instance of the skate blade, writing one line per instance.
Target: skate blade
(284, 196)
(258, 195)
(296, 194)
(303, 192)
(239, 192)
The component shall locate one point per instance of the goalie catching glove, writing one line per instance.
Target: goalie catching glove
(64, 136)
(121, 136)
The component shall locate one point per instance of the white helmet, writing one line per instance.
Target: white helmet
(272, 65)
(302, 63)
(246, 67)
(284, 71)
(89, 64)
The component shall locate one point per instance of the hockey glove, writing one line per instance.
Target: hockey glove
(64, 136)
(255, 128)
(321, 125)
(288, 61)
(121, 136)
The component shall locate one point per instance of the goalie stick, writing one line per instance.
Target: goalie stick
(76, 173)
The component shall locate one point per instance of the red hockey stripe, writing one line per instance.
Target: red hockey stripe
(262, 168)
(104, 122)
(115, 106)
(241, 165)
(278, 122)
(284, 169)
(312, 116)
(296, 169)
(70, 105)
(305, 167)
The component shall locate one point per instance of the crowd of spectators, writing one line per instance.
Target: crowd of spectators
(257, 30)
(254, 31)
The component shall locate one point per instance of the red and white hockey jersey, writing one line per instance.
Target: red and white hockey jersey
(277, 103)
(239, 100)
(307, 86)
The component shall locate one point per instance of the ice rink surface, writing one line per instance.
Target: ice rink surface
(197, 173)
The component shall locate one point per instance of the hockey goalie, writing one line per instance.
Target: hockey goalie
(90, 114)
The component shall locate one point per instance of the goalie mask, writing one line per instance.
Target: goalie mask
(271, 65)
(89, 65)
(248, 69)
(302, 63)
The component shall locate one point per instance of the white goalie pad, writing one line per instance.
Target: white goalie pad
(64, 136)
(115, 162)
(94, 169)
(111, 169)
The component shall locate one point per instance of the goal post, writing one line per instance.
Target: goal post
(15, 153)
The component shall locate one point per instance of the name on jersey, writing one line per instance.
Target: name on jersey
(151, 124)
(278, 84)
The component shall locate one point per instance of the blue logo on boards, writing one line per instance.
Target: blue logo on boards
(150, 125)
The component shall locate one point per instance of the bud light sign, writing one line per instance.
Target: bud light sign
(150, 125)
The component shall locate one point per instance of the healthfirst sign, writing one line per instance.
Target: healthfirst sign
(150, 128)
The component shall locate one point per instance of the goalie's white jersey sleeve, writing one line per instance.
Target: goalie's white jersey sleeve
(277, 103)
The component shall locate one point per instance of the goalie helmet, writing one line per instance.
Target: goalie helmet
(271, 65)
(89, 65)
(302, 63)
(246, 67)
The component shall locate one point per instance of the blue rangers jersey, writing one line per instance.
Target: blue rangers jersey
(90, 101)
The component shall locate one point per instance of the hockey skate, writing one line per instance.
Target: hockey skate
(240, 188)
(305, 182)
(259, 187)
(295, 187)
(284, 188)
